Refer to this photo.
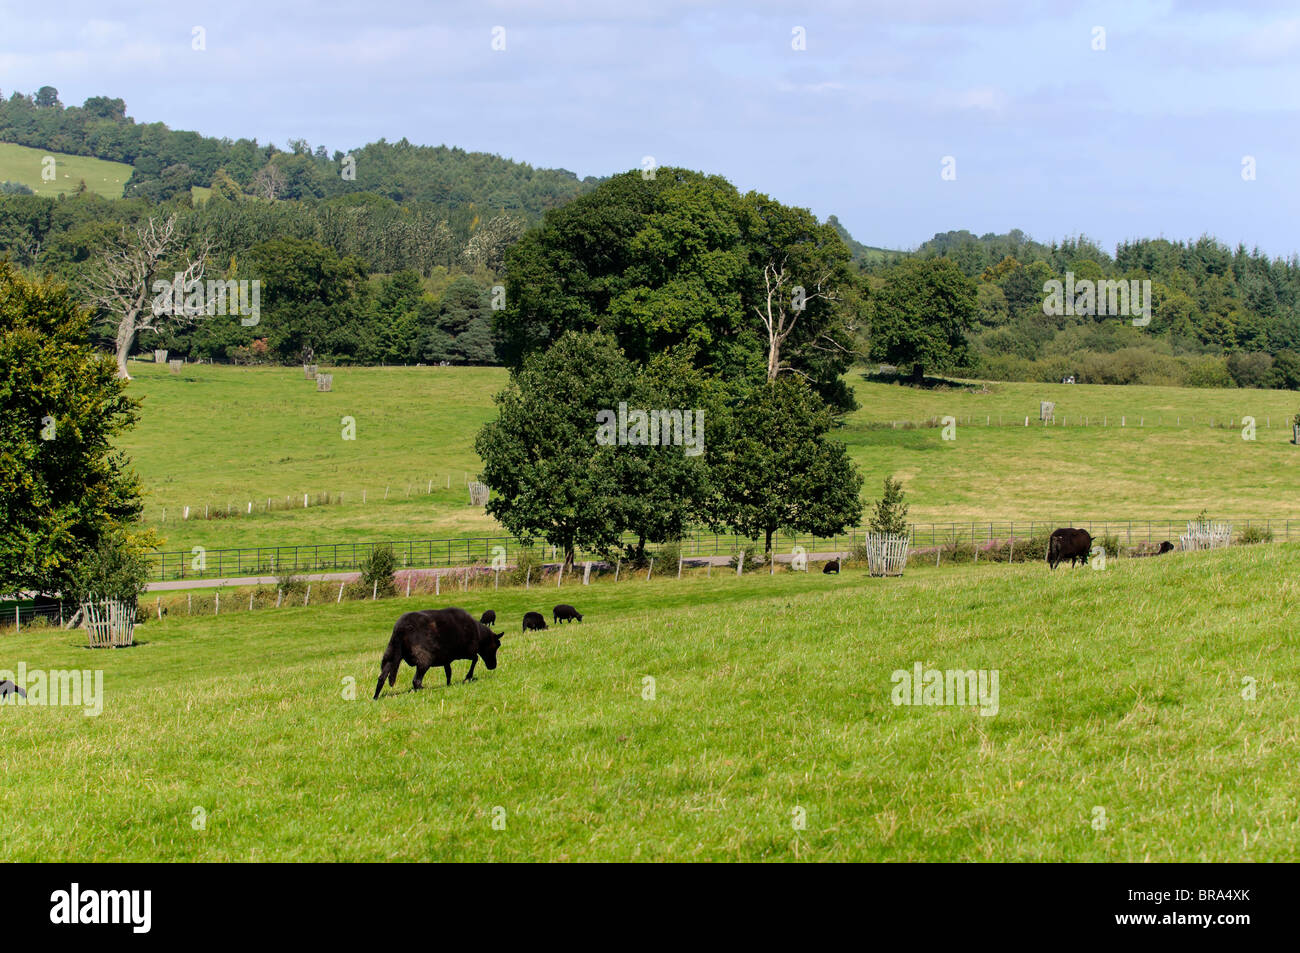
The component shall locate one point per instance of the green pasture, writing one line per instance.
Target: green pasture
(219, 438)
(1145, 712)
(26, 165)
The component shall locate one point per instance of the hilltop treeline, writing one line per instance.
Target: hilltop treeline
(1219, 317)
(454, 184)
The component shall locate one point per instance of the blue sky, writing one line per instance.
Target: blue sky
(1143, 138)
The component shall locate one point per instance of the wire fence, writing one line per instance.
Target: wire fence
(468, 551)
(1138, 421)
(442, 482)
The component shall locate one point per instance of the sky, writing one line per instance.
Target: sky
(904, 119)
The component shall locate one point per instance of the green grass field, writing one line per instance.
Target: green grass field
(26, 165)
(1123, 732)
(223, 437)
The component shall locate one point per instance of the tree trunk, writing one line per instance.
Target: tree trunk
(767, 550)
(918, 373)
(125, 338)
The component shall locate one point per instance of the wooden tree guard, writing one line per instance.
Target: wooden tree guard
(110, 623)
(886, 553)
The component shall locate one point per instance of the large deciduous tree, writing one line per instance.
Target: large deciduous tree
(773, 466)
(663, 487)
(64, 490)
(921, 315)
(311, 298)
(549, 476)
(682, 259)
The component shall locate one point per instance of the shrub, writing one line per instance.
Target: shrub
(670, 552)
(379, 571)
(528, 564)
(753, 560)
(115, 569)
(1255, 534)
(290, 583)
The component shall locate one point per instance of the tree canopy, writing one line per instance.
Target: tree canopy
(679, 259)
(64, 490)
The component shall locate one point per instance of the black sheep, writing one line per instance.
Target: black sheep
(533, 620)
(489, 617)
(565, 613)
(1069, 543)
(832, 566)
(437, 637)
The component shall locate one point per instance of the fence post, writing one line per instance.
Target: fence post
(618, 564)
(650, 569)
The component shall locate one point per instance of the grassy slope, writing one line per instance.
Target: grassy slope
(23, 164)
(1120, 689)
(218, 435)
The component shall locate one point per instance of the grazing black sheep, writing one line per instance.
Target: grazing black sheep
(565, 613)
(8, 688)
(533, 620)
(832, 566)
(1069, 543)
(1165, 547)
(437, 637)
(489, 617)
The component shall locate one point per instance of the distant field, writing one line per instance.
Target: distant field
(25, 165)
(224, 436)
(1124, 730)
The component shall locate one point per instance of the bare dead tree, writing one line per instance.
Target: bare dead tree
(123, 281)
(786, 300)
(269, 182)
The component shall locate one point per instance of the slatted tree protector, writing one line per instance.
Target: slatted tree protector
(1047, 410)
(478, 494)
(110, 623)
(324, 383)
(1203, 534)
(886, 553)
(160, 356)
